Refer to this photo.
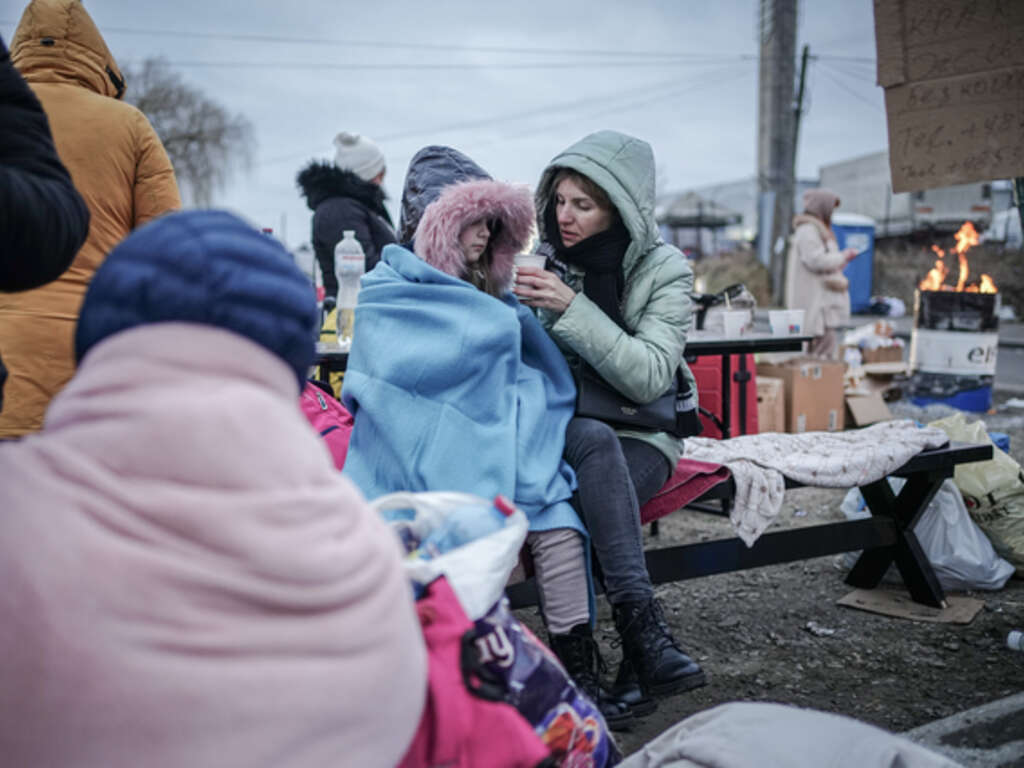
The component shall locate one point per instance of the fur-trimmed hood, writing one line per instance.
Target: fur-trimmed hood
(437, 237)
(321, 180)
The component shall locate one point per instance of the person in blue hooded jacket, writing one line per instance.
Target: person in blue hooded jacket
(454, 385)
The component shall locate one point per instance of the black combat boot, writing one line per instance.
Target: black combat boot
(627, 688)
(579, 654)
(658, 661)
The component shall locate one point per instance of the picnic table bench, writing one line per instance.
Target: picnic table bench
(886, 537)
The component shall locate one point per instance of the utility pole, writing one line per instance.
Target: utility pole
(775, 139)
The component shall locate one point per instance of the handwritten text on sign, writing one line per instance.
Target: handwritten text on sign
(954, 78)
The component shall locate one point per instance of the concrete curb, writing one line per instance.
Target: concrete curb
(988, 736)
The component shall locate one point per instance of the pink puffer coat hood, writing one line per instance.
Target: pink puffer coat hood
(437, 236)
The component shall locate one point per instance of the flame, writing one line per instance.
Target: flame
(935, 280)
(935, 277)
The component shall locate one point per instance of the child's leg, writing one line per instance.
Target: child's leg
(561, 569)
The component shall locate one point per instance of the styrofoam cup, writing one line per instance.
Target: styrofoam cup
(796, 321)
(735, 323)
(779, 321)
(530, 260)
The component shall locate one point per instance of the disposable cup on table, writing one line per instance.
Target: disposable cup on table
(779, 321)
(796, 321)
(735, 323)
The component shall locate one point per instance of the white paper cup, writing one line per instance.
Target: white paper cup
(735, 323)
(530, 260)
(796, 321)
(779, 321)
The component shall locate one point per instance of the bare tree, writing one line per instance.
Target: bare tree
(206, 143)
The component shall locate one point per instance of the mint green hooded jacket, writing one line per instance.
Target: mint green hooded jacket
(656, 301)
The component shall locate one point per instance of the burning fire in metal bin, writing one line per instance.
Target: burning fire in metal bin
(935, 280)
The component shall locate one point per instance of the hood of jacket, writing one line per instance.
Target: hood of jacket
(819, 226)
(322, 180)
(57, 41)
(436, 239)
(431, 169)
(254, 565)
(623, 166)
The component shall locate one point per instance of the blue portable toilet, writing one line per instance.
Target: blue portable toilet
(857, 232)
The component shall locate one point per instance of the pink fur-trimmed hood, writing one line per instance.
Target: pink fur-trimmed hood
(437, 237)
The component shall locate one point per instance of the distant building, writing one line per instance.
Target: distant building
(738, 198)
(864, 186)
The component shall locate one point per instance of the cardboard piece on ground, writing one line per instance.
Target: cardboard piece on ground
(771, 405)
(953, 73)
(888, 602)
(867, 409)
(813, 393)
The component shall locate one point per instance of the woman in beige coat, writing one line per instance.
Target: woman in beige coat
(815, 281)
(117, 164)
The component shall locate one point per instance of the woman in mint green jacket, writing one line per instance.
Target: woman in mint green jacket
(613, 295)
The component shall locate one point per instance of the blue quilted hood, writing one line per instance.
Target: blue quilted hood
(206, 267)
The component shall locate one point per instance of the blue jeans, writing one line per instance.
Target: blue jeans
(615, 478)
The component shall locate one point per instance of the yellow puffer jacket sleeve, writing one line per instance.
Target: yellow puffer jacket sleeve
(156, 190)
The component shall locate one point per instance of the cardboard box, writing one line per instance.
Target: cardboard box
(953, 73)
(813, 393)
(771, 405)
(893, 354)
(867, 409)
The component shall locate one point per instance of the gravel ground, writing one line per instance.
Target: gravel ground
(752, 631)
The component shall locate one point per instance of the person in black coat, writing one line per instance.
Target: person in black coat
(347, 195)
(43, 219)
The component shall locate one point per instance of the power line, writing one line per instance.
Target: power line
(861, 59)
(433, 66)
(829, 74)
(627, 106)
(659, 89)
(397, 44)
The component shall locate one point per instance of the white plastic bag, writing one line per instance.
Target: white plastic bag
(960, 553)
(477, 569)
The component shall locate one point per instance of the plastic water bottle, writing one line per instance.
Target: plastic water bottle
(349, 266)
(1015, 640)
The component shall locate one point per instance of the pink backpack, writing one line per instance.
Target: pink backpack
(328, 417)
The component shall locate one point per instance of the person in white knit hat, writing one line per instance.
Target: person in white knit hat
(347, 195)
(361, 155)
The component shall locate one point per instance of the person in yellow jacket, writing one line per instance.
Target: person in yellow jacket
(118, 165)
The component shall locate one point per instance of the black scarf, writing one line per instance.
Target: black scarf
(600, 257)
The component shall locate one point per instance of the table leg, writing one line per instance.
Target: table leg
(905, 509)
(742, 377)
(726, 397)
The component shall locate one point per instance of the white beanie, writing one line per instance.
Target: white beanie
(358, 154)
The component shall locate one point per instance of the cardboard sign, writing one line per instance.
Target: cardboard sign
(953, 73)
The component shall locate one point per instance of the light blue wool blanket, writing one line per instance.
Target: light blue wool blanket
(455, 390)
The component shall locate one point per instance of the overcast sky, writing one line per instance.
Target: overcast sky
(510, 83)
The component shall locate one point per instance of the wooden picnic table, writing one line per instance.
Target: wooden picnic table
(886, 537)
